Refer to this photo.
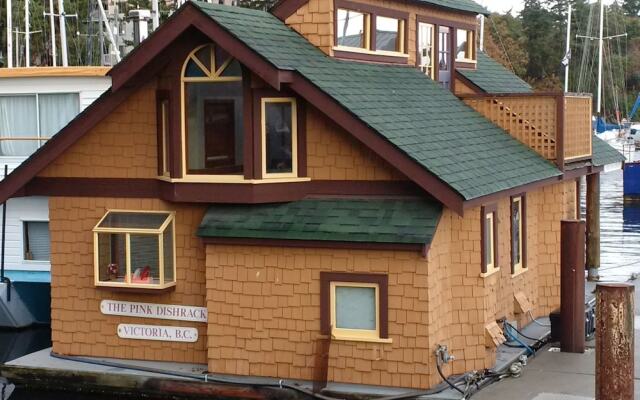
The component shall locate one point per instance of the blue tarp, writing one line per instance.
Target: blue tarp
(603, 126)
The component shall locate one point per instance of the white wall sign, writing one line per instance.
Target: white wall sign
(155, 332)
(150, 310)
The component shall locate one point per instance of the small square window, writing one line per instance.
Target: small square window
(389, 34)
(465, 49)
(36, 240)
(352, 29)
(135, 249)
(356, 306)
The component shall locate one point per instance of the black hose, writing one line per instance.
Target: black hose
(447, 380)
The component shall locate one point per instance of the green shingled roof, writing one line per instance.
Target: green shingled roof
(492, 77)
(604, 153)
(410, 221)
(425, 121)
(462, 5)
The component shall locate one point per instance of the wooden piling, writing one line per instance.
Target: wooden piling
(593, 226)
(614, 341)
(572, 308)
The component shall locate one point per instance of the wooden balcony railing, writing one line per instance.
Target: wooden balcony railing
(556, 126)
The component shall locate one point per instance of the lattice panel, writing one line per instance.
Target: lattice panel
(531, 120)
(577, 127)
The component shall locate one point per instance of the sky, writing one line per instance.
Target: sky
(503, 6)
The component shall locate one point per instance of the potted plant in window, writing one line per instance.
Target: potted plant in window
(112, 271)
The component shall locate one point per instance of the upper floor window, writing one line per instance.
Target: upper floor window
(213, 131)
(353, 29)
(426, 48)
(27, 121)
(465, 45)
(279, 138)
(369, 29)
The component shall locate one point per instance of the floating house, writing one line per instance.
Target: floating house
(334, 188)
(35, 103)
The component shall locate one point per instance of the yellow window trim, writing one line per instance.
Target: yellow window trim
(471, 46)
(136, 231)
(361, 335)
(492, 265)
(294, 137)
(518, 268)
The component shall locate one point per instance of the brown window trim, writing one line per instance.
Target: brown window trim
(373, 11)
(325, 287)
(162, 96)
(488, 209)
(523, 217)
(258, 95)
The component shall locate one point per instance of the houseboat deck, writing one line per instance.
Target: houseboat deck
(44, 370)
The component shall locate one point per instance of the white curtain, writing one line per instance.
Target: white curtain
(18, 119)
(56, 110)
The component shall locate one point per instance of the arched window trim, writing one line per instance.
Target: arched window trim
(212, 75)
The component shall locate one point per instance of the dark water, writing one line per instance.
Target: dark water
(620, 259)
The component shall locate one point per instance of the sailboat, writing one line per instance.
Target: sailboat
(610, 77)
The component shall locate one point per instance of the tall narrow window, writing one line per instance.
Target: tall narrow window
(426, 48)
(465, 45)
(489, 240)
(279, 138)
(353, 29)
(518, 234)
(162, 118)
(444, 56)
(36, 240)
(389, 34)
(212, 113)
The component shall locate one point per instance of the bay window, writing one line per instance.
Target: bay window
(279, 138)
(212, 113)
(135, 249)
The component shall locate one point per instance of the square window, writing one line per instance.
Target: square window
(356, 306)
(465, 45)
(279, 138)
(389, 34)
(36, 240)
(135, 249)
(352, 29)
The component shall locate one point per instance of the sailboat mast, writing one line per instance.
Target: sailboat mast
(53, 33)
(27, 39)
(63, 33)
(566, 68)
(9, 36)
(599, 109)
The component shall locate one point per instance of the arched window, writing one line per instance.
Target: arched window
(212, 115)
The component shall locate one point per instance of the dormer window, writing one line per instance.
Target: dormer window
(353, 29)
(213, 131)
(369, 33)
(465, 45)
